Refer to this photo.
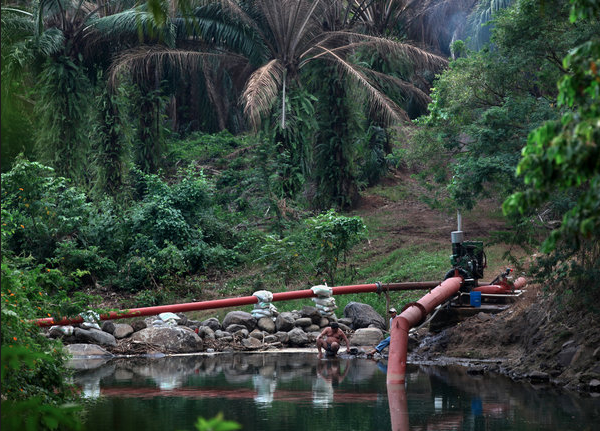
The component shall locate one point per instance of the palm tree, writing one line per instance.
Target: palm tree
(267, 49)
(62, 48)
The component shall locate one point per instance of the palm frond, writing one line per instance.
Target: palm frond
(16, 25)
(148, 63)
(387, 109)
(137, 24)
(417, 57)
(406, 89)
(209, 24)
(261, 91)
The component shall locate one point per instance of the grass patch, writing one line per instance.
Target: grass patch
(406, 264)
(397, 193)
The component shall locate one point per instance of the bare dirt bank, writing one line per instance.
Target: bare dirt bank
(535, 339)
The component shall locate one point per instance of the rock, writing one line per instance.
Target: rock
(252, 343)
(94, 336)
(565, 357)
(285, 322)
(79, 351)
(303, 322)
(169, 339)
(270, 339)
(241, 333)
(258, 334)
(282, 336)
(297, 337)
(206, 332)
(345, 327)
(363, 315)
(239, 318)
(316, 328)
(366, 337)
(223, 335)
(59, 331)
(345, 321)
(312, 313)
(183, 320)
(108, 326)
(212, 323)
(266, 324)
(122, 330)
(538, 376)
(233, 328)
(138, 325)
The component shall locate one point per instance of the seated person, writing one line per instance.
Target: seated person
(386, 341)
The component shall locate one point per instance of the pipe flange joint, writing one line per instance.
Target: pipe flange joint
(379, 287)
(420, 307)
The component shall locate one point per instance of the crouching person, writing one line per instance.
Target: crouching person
(330, 340)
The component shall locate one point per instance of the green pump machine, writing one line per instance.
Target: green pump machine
(468, 259)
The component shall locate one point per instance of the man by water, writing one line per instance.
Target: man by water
(331, 340)
(385, 342)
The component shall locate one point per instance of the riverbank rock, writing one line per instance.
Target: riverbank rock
(297, 337)
(94, 336)
(240, 318)
(363, 316)
(81, 351)
(171, 339)
(122, 330)
(285, 322)
(366, 337)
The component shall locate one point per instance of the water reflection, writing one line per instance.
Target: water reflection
(300, 392)
(330, 375)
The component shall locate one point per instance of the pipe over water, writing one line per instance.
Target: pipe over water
(412, 315)
(236, 302)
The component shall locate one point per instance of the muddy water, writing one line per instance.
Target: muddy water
(298, 392)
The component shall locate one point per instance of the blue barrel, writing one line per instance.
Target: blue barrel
(475, 299)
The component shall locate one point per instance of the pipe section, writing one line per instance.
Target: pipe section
(398, 405)
(414, 314)
(236, 302)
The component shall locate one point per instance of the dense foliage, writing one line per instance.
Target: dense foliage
(488, 101)
(564, 156)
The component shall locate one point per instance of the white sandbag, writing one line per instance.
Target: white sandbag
(322, 290)
(263, 296)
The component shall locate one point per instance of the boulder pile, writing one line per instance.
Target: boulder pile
(171, 333)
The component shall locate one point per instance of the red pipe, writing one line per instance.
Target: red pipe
(235, 302)
(412, 316)
(398, 405)
(502, 287)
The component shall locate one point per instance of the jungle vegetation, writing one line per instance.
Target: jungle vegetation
(149, 144)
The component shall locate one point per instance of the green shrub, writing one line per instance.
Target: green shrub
(43, 208)
(315, 248)
(35, 394)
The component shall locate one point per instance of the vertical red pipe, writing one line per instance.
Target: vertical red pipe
(412, 316)
(398, 405)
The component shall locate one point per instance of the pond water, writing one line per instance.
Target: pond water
(296, 391)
